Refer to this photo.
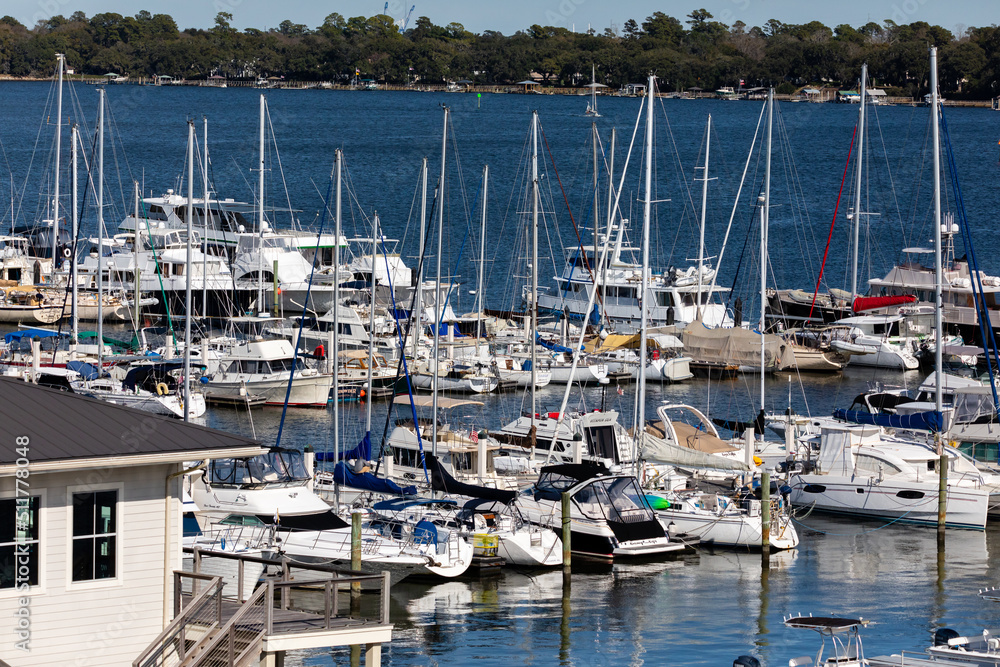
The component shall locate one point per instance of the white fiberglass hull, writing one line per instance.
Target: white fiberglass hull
(882, 355)
(906, 501)
(523, 378)
(676, 369)
(584, 374)
(307, 390)
(535, 548)
(736, 529)
(475, 384)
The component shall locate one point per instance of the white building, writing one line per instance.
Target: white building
(90, 524)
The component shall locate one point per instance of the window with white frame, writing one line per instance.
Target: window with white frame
(95, 535)
(19, 541)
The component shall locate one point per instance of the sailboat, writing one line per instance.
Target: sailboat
(592, 105)
(859, 470)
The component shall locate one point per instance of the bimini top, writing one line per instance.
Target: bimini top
(400, 504)
(825, 624)
(578, 471)
(428, 402)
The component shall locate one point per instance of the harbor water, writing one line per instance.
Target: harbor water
(701, 609)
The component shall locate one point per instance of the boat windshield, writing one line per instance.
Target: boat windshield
(615, 499)
(277, 467)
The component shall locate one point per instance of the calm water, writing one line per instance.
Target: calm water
(701, 610)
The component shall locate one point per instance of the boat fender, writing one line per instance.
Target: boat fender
(162, 389)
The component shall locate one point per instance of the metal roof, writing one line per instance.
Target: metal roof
(64, 427)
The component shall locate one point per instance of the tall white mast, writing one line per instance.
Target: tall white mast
(60, 63)
(640, 426)
(856, 228)
(481, 285)
(204, 240)
(611, 216)
(75, 321)
(376, 235)
(704, 208)
(100, 231)
(938, 324)
(764, 221)
(438, 307)
(534, 270)
(336, 303)
(189, 214)
(260, 216)
(418, 303)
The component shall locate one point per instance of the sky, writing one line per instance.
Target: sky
(508, 16)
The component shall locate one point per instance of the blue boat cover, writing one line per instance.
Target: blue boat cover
(925, 421)
(555, 347)
(363, 451)
(87, 371)
(31, 333)
(369, 482)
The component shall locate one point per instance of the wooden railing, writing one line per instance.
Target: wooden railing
(203, 612)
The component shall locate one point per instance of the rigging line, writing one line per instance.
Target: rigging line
(833, 222)
(736, 203)
(402, 370)
(576, 229)
(38, 138)
(985, 326)
(281, 170)
(302, 320)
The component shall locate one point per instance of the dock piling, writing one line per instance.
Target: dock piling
(566, 535)
(765, 512)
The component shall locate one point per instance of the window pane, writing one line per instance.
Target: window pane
(106, 501)
(8, 513)
(9, 565)
(104, 558)
(83, 514)
(83, 559)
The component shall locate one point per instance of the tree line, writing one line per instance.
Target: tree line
(696, 52)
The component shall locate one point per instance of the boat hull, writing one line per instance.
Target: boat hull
(909, 502)
(307, 391)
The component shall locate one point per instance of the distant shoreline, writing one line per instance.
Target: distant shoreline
(512, 89)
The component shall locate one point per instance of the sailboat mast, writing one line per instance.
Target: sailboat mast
(75, 312)
(764, 221)
(856, 228)
(100, 230)
(204, 256)
(534, 267)
(376, 235)
(60, 63)
(938, 324)
(189, 214)
(611, 217)
(418, 304)
(260, 214)
(704, 208)
(640, 426)
(335, 348)
(597, 203)
(480, 293)
(438, 306)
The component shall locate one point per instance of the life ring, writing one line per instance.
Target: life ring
(162, 389)
(67, 253)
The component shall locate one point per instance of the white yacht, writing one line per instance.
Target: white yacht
(611, 518)
(271, 497)
(885, 339)
(593, 437)
(673, 295)
(860, 472)
(263, 367)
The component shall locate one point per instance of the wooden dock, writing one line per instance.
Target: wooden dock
(210, 630)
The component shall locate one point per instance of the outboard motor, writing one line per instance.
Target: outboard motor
(942, 635)
(746, 661)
